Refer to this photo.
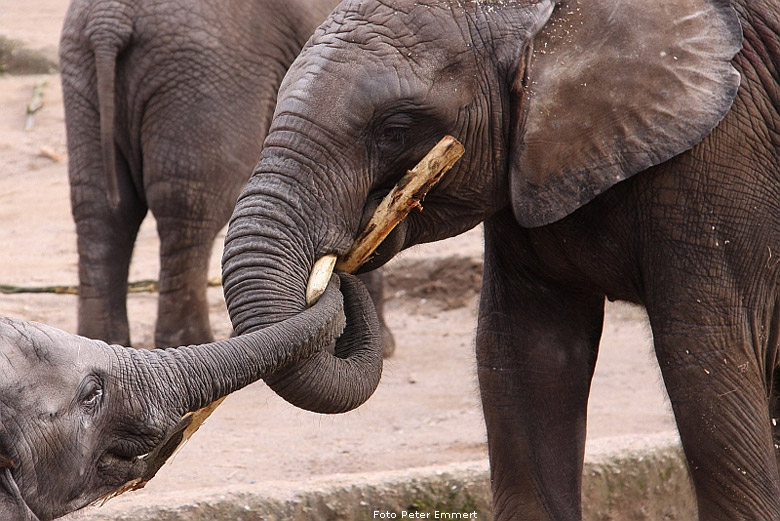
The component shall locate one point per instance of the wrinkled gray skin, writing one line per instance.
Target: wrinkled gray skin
(167, 105)
(80, 418)
(555, 105)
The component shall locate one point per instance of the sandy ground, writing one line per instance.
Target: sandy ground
(426, 410)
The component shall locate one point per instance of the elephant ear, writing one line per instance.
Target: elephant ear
(609, 88)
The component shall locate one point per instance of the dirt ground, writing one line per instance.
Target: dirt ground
(426, 410)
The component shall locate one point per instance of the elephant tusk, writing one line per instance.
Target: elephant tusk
(319, 278)
(406, 194)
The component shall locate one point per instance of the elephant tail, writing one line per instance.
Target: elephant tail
(109, 30)
(105, 63)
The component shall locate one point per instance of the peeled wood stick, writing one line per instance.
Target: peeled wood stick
(50, 153)
(396, 205)
(187, 426)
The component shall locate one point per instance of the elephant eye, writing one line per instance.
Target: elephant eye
(394, 135)
(93, 398)
(6, 462)
(393, 131)
(91, 394)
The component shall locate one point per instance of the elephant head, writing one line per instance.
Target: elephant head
(80, 419)
(554, 101)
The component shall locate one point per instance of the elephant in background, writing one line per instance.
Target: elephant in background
(81, 419)
(624, 150)
(167, 105)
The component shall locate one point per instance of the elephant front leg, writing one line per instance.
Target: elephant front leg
(722, 404)
(536, 350)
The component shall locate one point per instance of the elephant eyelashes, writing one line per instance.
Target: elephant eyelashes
(392, 139)
(392, 131)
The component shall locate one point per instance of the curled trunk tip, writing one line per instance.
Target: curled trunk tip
(340, 382)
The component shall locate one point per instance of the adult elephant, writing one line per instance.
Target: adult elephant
(80, 419)
(167, 105)
(557, 103)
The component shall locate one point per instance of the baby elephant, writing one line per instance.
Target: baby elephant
(167, 104)
(81, 419)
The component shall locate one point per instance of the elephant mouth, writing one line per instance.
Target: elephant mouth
(389, 248)
(143, 467)
(390, 245)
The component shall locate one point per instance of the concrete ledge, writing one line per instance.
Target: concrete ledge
(637, 478)
(627, 478)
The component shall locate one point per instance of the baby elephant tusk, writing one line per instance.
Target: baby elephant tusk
(319, 278)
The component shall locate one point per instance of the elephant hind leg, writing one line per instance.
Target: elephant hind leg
(183, 311)
(106, 238)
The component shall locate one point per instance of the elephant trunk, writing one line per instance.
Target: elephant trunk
(189, 378)
(342, 381)
(277, 232)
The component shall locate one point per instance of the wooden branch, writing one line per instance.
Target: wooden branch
(49, 153)
(141, 286)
